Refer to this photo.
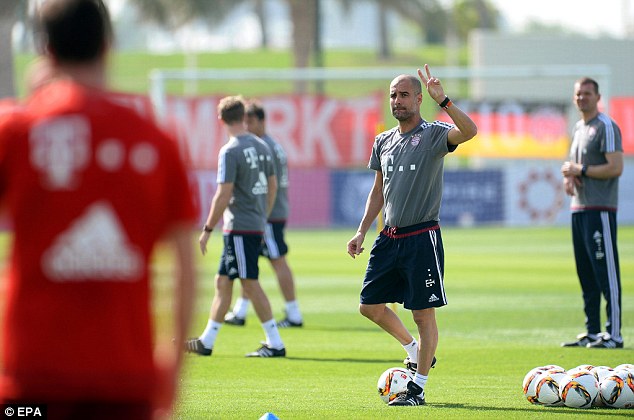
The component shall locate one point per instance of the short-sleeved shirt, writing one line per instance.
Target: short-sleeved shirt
(246, 161)
(90, 187)
(590, 142)
(412, 168)
(280, 208)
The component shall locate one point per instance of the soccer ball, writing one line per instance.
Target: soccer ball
(547, 388)
(581, 368)
(529, 384)
(601, 372)
(393, 381)
(626, 366)
(553, 368)
(617, 389)
(578, 389)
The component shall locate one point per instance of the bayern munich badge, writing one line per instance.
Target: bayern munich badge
(415, 139)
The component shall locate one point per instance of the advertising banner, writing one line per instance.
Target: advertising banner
(515, 130)
(315, 131)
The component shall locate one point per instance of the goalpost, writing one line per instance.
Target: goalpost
(480, 79)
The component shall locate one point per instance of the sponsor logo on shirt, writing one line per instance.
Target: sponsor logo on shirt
(94, 247)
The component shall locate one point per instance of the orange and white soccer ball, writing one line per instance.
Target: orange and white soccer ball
(547, 388)
(578, 389)
(393, 381)
(529, 384)
(617, 389)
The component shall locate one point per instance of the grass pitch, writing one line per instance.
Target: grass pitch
(513, 297)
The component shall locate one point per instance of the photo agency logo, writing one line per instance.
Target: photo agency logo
(24, 411)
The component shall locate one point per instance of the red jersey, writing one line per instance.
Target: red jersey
(89, 186)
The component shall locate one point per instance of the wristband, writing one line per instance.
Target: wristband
(207, 229)
(584, 169)
(446, 103)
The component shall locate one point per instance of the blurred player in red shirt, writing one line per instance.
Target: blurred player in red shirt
(90, 188)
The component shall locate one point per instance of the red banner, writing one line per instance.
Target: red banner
(622, 111)
(315, 131)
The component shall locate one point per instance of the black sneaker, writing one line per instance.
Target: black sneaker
(605, 343)
(583, 340)
(194, 345)
(287, 323)
(411, 366)
(413, 396)
(266, 351)
(232, 319)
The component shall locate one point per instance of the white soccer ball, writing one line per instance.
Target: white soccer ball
(626, 366)
(601, 372)
(529, 384)
(553, 368)
(578, 389)
(393, 381)
(580, 368)
(617, 389)
(547, 388)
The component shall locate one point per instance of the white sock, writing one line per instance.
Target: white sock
(272, 334)
(420, 380)
(208, 337)
(240, 308)
(292, 311)
(412, 351)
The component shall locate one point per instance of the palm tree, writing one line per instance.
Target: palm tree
(8, 18)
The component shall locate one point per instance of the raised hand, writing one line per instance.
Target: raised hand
(434, 88)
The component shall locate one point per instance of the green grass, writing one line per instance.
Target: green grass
(513, 297)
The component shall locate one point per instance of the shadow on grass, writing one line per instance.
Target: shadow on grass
(576, 412)
(338, 360)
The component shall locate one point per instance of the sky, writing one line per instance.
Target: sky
(585, 16)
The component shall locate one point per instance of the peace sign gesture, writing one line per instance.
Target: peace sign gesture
(434, 88)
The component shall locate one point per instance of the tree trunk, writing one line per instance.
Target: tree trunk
(384, 40)
(260, 12)
(303, 15)
(8, 16)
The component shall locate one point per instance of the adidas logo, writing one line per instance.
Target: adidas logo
(94, 247)
(433, 298)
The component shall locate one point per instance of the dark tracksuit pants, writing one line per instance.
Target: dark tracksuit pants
(597, 260)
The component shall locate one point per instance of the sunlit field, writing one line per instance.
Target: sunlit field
(513, 297)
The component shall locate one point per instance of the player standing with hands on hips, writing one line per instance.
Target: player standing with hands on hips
(406, 262)
(591, 177)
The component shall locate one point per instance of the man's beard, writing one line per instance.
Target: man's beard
(402, 114)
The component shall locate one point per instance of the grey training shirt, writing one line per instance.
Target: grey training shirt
(591, 141)
(247, 162)
(280, 208)
(412, 167)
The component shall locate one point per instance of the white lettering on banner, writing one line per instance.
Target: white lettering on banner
(282, 120)
(362, 107)
(314, 130)
(197, 128)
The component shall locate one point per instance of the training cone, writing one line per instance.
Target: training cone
(269, 416)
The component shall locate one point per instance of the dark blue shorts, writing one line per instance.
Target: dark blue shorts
(240, 255)
(406, 266)
(273, 245)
